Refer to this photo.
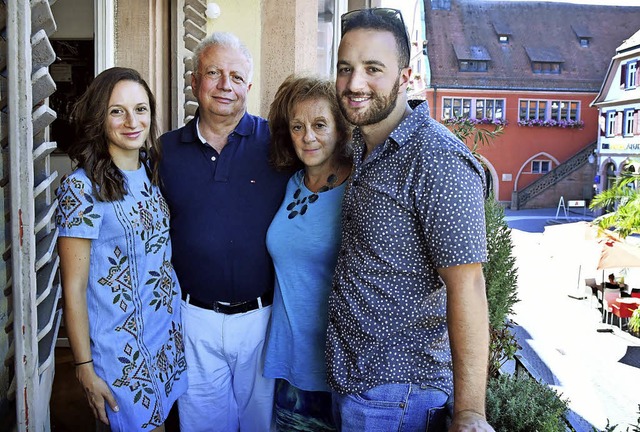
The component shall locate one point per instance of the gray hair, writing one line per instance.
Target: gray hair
(224, 39)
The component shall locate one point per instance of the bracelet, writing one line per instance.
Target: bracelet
(84, 362)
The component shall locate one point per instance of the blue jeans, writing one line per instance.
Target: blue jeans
(392, 408)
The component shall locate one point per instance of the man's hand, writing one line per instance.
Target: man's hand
(469, 421)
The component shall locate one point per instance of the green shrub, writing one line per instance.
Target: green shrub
(501, 281)
(500, 272)
(524, 405)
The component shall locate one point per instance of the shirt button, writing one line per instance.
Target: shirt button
(213, 158)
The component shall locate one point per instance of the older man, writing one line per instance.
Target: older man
(408, 321)
(222, 195)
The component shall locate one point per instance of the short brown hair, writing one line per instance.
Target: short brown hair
(296, 89)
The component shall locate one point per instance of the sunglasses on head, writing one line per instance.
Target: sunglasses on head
(389, 14)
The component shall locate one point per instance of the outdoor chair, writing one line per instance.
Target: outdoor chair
(622, 311)
(609, 297)
(595, 289)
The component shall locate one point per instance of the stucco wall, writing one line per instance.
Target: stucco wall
(511, 153)
(244, 19)
(576, 186)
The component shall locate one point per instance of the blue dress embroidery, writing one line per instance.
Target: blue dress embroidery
(133, 296)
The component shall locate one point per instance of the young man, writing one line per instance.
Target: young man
(408, 319)
(222, 195)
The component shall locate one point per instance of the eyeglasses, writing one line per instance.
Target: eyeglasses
(393, 15)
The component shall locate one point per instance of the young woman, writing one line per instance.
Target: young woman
(308, 133)
(121, 295)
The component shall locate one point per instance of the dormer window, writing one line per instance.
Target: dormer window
(503, 31)
(473, 66)
(545, 68)
(547, 60)
(472, 58)
(583, 34)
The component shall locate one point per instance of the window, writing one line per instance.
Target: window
(503, 39)
(473, 66)
(564, 110)
(532, 109)
(545, 68)
(540, 166)
(632, 74)
(611, 124)
(549, 110)
(584, 42)
(629, 74)
(628, 123)
(490, 109)
(456, 108)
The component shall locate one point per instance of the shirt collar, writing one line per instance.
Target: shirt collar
(400, 135)
(244, 127)
(404, 130)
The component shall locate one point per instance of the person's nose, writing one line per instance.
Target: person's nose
(309, 136)
(356, 82)
(224, 83)
(131, 120)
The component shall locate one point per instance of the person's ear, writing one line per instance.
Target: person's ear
(403, 79)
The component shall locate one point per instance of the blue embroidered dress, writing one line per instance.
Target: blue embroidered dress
(133, 296)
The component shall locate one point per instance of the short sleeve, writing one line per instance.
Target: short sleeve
(456, 210)
(78, 213)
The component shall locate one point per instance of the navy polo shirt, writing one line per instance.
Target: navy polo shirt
(221, 205)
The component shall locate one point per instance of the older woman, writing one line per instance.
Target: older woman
(309, 134)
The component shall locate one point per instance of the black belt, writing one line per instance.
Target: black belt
(233, 308)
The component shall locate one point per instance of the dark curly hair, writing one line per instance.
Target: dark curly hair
(293, 90)
(90, 150)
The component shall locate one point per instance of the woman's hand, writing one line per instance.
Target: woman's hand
(97, 392)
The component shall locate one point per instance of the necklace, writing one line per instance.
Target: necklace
(309, 199)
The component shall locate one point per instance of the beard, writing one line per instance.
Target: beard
(379, 109)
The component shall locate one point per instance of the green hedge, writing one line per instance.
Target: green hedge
(524, 405)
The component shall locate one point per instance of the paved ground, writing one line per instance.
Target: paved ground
(559, 334)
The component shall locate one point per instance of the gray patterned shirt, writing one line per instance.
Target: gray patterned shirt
(413, 206)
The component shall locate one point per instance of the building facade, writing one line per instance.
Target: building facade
(486, 66)
(618, 104)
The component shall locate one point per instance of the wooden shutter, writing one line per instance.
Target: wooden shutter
(30, 257)
(189, 29)
(623, 75)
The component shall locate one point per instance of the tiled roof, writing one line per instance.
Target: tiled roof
(537, 31)
(632, 42)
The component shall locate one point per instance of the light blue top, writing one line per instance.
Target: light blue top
(133, 296)
(304, 251)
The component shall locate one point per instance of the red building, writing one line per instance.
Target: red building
(535, 66)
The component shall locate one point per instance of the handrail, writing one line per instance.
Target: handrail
(554, 176)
